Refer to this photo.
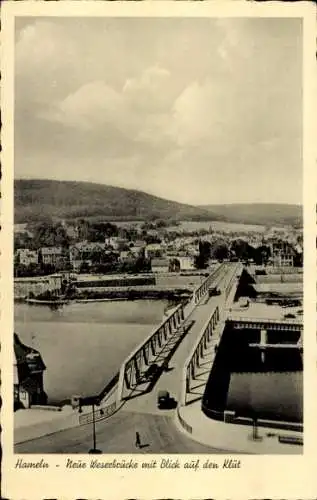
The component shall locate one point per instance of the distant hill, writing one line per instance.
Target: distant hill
(259, 213)
(35, 199)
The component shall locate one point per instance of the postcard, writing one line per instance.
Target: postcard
(158, 250)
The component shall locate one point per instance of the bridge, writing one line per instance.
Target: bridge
(192, 323)
(177, 356)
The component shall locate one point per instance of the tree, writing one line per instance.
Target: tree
(99, 231)
(219, 250)
(48, 234)
(201, 261)
(83, 230)
(174, 266)
(262, 255)
(242, 250)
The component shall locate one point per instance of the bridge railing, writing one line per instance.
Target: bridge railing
(197, 353)
(231, 281)
(243, 319)
(203, 288)
(130, 371)
(100, 413)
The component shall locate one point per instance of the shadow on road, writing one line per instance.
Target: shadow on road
(169, 350)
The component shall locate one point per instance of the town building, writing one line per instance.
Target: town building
(153, 251)
(28, 369)
(83, 251)
(186, 262)
(282, 254)
(51, 255)
(126, 256)
(26, 257)
(160, 265)
(116, 242)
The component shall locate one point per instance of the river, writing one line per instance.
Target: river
(83, 345)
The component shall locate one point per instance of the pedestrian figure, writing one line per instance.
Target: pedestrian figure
(137, 440)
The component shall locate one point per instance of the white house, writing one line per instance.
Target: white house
(160, 265)
(27, 257)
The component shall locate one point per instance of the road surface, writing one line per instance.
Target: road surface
(117, 435)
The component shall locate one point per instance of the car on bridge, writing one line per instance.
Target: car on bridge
(213, 291)
(164, 400)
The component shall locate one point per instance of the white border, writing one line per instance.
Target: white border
(260, 476)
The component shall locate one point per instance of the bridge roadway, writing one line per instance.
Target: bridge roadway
(158, 431)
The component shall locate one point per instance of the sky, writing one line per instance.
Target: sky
(197, 110)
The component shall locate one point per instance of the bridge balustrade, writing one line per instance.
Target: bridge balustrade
(231, 281)
(100, 414)
(203, 288)
(197, 353)
(241, 322)
(131, 371)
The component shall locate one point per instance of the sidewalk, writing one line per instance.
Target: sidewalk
(31, 423)
(233, 437)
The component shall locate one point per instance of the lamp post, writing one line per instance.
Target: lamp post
(255, 433)
(93, 428)
(92, 401)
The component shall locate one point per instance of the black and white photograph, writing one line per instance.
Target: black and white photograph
(158, 264)
(158, 239)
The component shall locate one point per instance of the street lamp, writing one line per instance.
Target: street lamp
(93, 401)
(94, 449)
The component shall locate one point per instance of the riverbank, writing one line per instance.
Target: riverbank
(111, 294)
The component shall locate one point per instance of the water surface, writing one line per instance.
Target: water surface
(83, 345)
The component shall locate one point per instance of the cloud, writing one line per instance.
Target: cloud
(137, 110)
(191, 122)
(152, 91)
(89, 107)
(211, 98)
(45, 62)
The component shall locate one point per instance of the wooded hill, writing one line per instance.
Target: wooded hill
(36, 199)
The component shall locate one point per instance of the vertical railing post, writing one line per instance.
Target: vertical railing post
(136, 370)
(126, 379)
(146, 361)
